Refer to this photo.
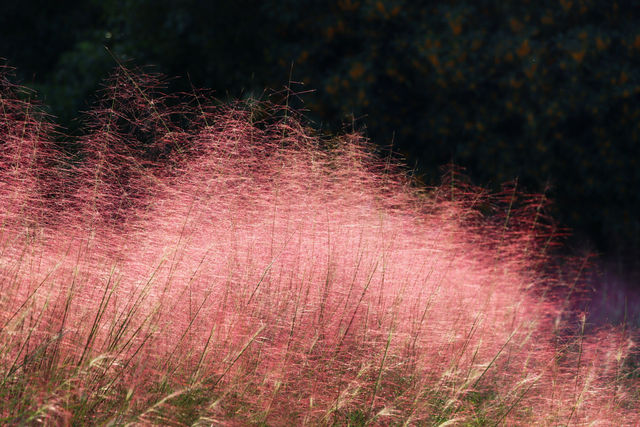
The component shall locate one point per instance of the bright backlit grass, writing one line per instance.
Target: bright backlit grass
(201, 266)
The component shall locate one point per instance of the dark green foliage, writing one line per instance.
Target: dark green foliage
(51, 45)
(355, 418)
(546, 91)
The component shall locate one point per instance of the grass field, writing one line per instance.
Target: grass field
(198, 265)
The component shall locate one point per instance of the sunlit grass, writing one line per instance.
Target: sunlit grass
(229, 267)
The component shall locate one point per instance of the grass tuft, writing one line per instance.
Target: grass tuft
(198, 264)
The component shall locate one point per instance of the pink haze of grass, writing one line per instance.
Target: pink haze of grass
(199, 265)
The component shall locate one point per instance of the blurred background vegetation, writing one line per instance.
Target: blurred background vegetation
(544, 91)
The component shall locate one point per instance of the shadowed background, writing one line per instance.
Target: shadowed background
(545, 92)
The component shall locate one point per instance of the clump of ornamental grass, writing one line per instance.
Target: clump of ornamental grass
(222, 264)
(27, 156)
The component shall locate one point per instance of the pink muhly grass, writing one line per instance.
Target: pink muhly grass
(226, 265)
(27, 156)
